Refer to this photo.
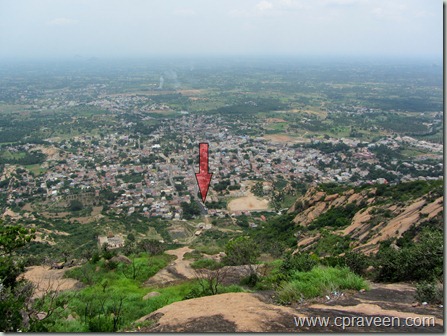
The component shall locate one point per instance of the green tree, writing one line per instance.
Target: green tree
(151, 246)
(131, 237)
(15, 294)
(11, 239)
(422, 260)
(75, 205)
(190, 209)
(241, 251)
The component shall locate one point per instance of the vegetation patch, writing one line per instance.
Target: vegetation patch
(317, 282)
(336, 217)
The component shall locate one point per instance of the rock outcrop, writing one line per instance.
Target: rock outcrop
(377, 219)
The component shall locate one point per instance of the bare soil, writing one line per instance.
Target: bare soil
(249, 202)
(282, 138)
(45, 279)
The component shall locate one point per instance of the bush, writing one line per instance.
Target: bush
(206, 263)
(197, 291)
(111, 265)
(280, 230)
(195, 255)
(273, 275)
(151, 246)
(241, 251)
(251, 280)
(335, 217)
(421, 261)
(75, 205)
(430, 292)
(298, 262)
(356, 262)
(319, 281)
(194, 293)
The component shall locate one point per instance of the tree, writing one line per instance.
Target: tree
(210, 279)
(210, 275)
(257, 189)
(151, 246)
(11, 239)
(15, 295)
(241, 251)
(132, 270)
(190, 209)
(131, 237)
(75, 205)
(422, 260)
(242, 221)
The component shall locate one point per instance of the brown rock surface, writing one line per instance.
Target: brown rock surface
(247, 312)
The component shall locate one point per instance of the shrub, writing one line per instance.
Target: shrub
(206, 263)
(319, 281)
(197, 291)
(75, 205)
(111, 264)
(241, 251)
(151, 246)
(298, 262)
(192, 255)
(251, 280)
(421, 261)
(335, 217)
(272, 275)
(429, 291)
(356, 262)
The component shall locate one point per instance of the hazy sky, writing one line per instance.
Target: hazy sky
(243, 27)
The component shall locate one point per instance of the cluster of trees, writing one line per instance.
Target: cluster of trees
(151, 158)
(337, 217)
(131, 178)
(328, 147)
(29, 158)
(257, 189)
(248, 108)
(422, 260)
(190, 210)
(222, 185)
(410, 190)
(220, 204)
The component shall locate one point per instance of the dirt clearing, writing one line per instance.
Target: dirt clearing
(249, 202)
(282, 138)
(45, 279)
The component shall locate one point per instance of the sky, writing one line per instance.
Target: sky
(140, 28)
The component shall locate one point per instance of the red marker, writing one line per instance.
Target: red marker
(203, 177)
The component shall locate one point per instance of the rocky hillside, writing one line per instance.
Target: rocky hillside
(253, 312)
(369, 215)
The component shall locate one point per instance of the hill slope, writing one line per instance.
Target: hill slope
(247, 312)
(370, 215)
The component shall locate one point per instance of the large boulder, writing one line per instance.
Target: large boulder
(150, 295)
(121, 259)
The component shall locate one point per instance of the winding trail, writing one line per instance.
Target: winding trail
(179, 269)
